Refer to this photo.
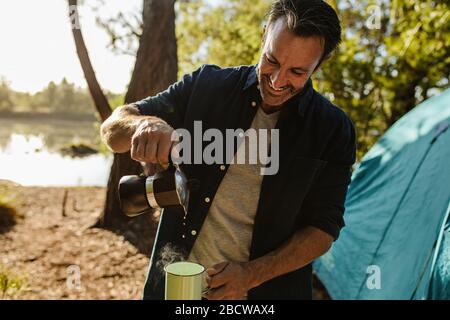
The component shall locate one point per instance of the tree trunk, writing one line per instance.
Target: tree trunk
(155, 69)
(122, 164)
(156, 64)
(100, 101)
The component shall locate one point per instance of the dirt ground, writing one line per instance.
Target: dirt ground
(54, 246)
(59, 253)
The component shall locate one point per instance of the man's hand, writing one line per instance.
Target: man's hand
(151, 142)
(228, 281)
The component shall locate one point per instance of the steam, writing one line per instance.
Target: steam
(169, 254)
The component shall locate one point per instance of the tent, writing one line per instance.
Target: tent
(396, 243)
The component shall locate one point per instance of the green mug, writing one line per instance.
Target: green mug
(184, 281)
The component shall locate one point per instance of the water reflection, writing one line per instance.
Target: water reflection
(29, 154)
(55, 133)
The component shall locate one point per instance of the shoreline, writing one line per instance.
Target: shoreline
(17, 184)
(36, 116)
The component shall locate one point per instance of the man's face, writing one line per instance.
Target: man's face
(287, 61)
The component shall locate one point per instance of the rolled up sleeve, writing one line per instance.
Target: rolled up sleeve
(325, 203)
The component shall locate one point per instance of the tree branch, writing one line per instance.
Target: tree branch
(100, 101)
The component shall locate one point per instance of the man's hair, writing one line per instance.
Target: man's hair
(309, 18)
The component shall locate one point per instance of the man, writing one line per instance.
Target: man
(258, 235)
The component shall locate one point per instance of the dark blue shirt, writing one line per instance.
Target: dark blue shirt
(316, 152)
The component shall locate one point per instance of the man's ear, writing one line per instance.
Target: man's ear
(320, 63)
(318, 66)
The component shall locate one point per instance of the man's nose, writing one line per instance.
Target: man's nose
(278, 79)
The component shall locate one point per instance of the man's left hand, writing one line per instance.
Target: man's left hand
(228, 281)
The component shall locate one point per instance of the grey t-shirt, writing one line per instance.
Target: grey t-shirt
(227, 230)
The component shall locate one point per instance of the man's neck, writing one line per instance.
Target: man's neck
(270, 109)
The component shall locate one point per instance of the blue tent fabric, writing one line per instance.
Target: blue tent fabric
(435, 283)
(396, 213)
(440, 281)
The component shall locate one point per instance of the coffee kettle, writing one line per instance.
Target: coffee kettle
(139, 194)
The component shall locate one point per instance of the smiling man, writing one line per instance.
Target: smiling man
(257, 235)
(287, 61)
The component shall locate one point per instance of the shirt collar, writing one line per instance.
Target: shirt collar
(303, 98)
(252, 77)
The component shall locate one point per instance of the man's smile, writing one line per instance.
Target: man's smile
(272, 90)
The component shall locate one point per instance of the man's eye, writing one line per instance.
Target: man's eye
(270, 60)
(297, 72)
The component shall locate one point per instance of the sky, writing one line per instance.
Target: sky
(36, 44)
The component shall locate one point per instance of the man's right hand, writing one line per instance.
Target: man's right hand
(151, 142)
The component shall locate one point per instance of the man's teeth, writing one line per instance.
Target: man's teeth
(282, 89)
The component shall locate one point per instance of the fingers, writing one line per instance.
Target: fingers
(227, 281)
(141, 148)
(137, 148)
(218, 294)
(151, 143)
(224, 292)
(151, 149)
(163, 152)
(218, 275)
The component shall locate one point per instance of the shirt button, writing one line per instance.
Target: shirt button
(193, 232)
(222, 167)
(183, 236)
(253, 104)
(207, 200)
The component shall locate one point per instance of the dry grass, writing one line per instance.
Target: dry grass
(11, 284)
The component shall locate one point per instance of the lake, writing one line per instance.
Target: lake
(30, 152)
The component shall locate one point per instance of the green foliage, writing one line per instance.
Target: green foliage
(5, 95)
(420, 43)
(64, 98)
(115, 100)
(10, 284)
(227, 34)
(379, 73)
